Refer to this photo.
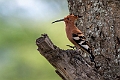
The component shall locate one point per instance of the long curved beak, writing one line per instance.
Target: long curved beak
(58, 21)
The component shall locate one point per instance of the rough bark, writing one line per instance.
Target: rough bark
(69, 64)
(101, 26)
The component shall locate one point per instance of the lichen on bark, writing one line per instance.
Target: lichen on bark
(101, 26)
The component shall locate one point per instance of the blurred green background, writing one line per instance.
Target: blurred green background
(21, 23)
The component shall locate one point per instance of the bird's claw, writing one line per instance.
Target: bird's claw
(73, 47)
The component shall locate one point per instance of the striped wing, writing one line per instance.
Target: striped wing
(81, 41)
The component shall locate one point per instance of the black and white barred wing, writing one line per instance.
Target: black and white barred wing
(81, 41)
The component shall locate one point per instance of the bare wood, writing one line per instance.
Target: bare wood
(69, 64)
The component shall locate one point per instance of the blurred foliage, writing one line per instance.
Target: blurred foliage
(19, 58)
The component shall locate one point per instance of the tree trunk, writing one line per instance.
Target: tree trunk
(101, 26)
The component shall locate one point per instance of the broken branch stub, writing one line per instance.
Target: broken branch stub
(69, 64)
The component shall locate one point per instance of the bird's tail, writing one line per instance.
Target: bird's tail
(92, 57)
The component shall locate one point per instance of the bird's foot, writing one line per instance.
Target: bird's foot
(73, 47)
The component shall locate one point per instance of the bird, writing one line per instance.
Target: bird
(75, 35)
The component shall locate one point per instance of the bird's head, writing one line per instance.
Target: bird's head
(69, 19)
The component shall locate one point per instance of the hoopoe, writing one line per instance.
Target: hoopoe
(75, 35)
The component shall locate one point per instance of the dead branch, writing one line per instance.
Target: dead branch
(69, 64)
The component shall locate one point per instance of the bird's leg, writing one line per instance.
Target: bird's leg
(73, 47)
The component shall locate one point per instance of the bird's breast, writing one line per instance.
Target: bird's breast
(69, 33)
(70, 37)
